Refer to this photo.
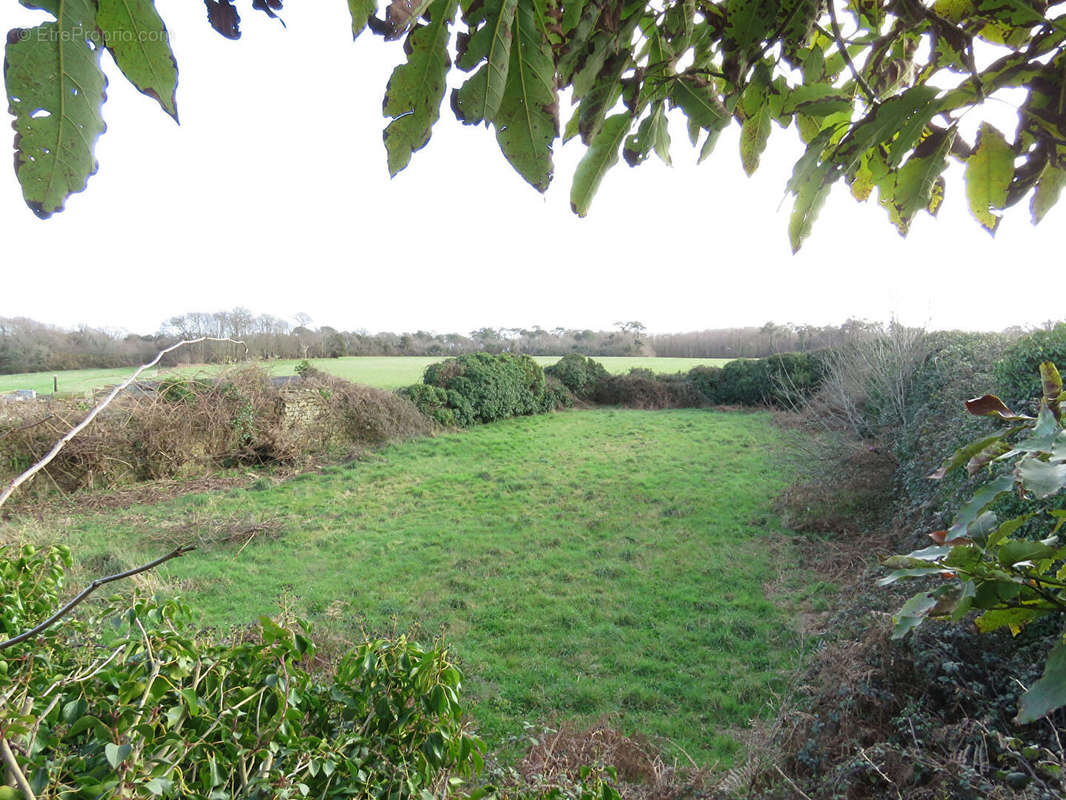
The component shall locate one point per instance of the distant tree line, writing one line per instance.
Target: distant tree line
(30, 346)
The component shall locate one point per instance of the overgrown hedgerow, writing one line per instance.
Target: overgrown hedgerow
(184, 428)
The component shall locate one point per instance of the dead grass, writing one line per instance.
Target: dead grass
(557, 756)
(206, 531)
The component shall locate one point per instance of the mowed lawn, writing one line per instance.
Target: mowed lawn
(583, 566)
(384, 372)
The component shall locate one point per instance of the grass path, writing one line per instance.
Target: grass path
(585, 565)
(384, 372)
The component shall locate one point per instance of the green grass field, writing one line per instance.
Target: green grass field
(606, 564)
(384, 372)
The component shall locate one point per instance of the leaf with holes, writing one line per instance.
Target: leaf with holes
(55, 91)
(416, 88)
(480, 97)
(528, 118)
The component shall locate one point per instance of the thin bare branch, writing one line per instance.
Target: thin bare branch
(846, 55)
(92, 587)
(16, 771)
(44, 462)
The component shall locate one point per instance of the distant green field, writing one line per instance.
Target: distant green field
(606, 565)
(385, 372)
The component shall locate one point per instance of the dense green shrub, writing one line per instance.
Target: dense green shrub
(129, 703)
(705, 380)
(955, 363)
(484, 387)
(557, 395)
(1017, 371)
(578, 374)
(777, 380)
(431, 401)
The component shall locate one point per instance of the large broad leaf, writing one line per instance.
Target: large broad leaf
(913, 614)
(811, 181)
(1042, 478)
(753, 137)
(1049, 692)
(963, 455)
(988, 175)
(416, 88)
(55, 91)
(480, 97)
(972, 508)
(910, 189)
(1048, 189)
(528, 118)
(138, 41)
(701, 104)
(600, 157)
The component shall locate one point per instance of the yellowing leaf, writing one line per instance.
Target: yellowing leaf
(1048, 189)
(988, 175)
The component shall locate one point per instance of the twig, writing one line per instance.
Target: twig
(44, 462)
(16, 772)
(791, 782)
(846, 55)
(92, 587)
(880, 772)
(25, 427)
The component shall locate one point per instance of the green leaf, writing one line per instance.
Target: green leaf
(1042, 478)
(753, 137)
(816, 100)
(810, 196)
(416, 88)
(1049, 692)
(652, 133)
(913, 614)
(988, 175)
(528, 118)
(480, 97)
(972, 509)
(1048, 189)
(963, 455)
(1014, 618)
(55, 91)
(1044, 434)
(1018, 550)
(884, 123)
(138, 41)
(116, 754)
(601, 156)
(700, 102)
(361, 11)
(911, 188)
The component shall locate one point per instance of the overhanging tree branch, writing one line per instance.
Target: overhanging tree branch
(92, 587)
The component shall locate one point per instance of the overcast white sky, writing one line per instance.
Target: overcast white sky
(273, 194)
